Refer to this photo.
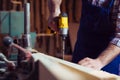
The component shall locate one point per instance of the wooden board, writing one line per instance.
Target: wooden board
(51, 68)
(73, 29)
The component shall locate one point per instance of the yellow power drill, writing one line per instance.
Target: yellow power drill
(63, 30)
(62, 23)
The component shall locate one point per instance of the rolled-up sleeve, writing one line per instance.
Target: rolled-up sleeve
(2, 56)
(116, 40)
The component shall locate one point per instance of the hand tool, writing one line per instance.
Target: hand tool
(8, 41)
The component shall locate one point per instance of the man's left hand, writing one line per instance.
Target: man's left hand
(91, 63)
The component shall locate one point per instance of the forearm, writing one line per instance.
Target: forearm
(3, 57)
(109, 54)
(54, 7)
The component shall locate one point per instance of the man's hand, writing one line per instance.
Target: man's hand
(54, 9)
(91, 63)
(103, 59)
(10, 65)
(53, 23)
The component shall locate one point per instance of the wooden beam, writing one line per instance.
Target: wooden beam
(73, 29)
(77, 12)
(51, 68)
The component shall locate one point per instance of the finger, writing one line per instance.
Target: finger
(84, 60)
(89, 65)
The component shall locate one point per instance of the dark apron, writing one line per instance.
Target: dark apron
(95, 32)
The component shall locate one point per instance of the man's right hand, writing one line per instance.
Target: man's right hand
(54, 8)
(53, 23)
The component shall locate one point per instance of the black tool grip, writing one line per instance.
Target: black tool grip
(7, 41)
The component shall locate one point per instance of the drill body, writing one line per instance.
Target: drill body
(63, 30)
(63, 25)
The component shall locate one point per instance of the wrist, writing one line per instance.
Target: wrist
(55, 12)
(100, 62)
(54, 7)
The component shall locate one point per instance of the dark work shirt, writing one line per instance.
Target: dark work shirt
(115, 15)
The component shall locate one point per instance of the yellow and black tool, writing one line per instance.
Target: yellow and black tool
(63, 25)
(63, 30)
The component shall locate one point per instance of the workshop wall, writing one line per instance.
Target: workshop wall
(40, 14)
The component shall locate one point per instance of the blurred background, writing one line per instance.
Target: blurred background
(12, 22)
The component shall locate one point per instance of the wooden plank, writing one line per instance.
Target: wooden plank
(4, 4)
(70, 10)
(63, 6)
(73, 29)
(32, 21)
(44, 74)
(37, 15)
(58, 69)
(77, 12)
(43, 16)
